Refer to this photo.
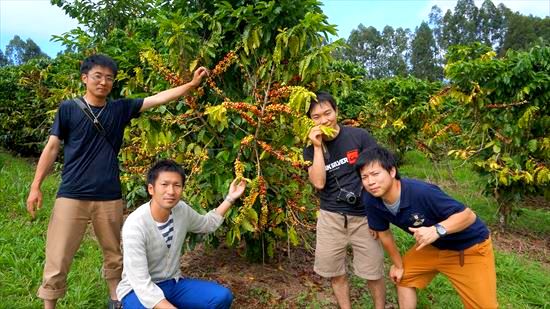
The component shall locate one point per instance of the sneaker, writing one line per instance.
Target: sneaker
(114, 304)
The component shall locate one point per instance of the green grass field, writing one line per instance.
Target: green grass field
(521, 283)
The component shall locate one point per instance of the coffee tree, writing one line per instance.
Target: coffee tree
(502, 106)
(246, 121)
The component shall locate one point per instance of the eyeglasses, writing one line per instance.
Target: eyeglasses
(98, 77)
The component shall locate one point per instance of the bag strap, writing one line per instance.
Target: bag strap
(92, 117)
(97, 124)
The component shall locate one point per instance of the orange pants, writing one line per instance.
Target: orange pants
(475, 281)
(67, 226)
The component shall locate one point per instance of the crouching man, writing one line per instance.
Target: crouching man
(450, 239)
(152, 239)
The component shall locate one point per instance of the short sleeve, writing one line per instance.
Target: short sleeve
(308, 153)
(367, 140)
(59, 126)
(376, 221)
(131, 109)
(441, 204)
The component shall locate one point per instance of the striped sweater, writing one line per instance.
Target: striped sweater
(147, 259)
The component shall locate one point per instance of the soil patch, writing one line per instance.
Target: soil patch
(287, 283)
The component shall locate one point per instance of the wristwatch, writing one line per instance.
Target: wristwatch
(440, 229)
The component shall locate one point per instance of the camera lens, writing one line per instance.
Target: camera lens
(352, 199)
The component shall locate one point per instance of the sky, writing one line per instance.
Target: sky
(39, 20)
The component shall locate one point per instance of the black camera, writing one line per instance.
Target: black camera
(346, 196)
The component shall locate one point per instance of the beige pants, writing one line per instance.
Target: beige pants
(67, 226)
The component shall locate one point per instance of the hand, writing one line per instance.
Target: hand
(373, 233)
(316, 136)
(396, 273)
(236, 189)
(198, 75)
(34, 201)
(424, 235)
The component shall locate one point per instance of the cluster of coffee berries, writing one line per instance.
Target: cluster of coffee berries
(262, 189)
(242, 106)
(246, 141)
(224, 63)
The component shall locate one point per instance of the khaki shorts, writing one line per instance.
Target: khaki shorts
(333, 239)
(475, 281)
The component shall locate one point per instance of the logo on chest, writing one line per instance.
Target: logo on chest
(417, 219)
(352, 156)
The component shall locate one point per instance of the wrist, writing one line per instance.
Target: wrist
(230, 199)
(440, 230)
(193, 85)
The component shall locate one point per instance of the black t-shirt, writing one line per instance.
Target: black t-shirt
(342, 152)
(90, 167)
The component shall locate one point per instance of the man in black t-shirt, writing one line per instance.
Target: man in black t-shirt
(90, 186)
(342, 219)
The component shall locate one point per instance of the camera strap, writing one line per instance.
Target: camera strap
(326, 156)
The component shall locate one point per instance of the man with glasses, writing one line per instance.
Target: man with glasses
(90, 187)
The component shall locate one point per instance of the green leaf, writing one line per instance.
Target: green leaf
(293, 236)
(532, 145)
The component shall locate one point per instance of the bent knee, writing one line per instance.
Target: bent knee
(222, 298)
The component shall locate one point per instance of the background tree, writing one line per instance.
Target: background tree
(365, 46)
(395, 51)
(523, 32)
(423, 55)
(491, 25)
(3, 59)
(19, 51)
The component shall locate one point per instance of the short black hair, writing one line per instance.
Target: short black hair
(98, 60)
(321, 97)
(164, 166)
(379, 154)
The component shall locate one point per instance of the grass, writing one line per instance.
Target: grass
(22, 244)
(521, 283)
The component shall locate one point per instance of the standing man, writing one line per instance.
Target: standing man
(152, 239)
(341, 220)
(450, 239)
(90, 186)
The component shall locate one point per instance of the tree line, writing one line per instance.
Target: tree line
(386, 53)
(420, 53)
(19, 51)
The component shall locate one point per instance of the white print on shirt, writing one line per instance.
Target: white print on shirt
(336, 164)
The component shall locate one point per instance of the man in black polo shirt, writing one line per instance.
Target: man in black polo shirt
(450, 239)
(90, 186)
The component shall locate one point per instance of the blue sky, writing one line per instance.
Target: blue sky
(39, 20)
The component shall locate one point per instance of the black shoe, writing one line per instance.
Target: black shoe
(114, 304)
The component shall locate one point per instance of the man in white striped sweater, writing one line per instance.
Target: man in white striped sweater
(152, 239)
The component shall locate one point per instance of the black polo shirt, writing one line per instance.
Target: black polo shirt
(424, 204)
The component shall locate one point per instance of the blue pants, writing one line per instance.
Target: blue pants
(187, 293)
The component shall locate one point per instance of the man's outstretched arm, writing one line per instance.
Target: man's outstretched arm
(171, 94)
